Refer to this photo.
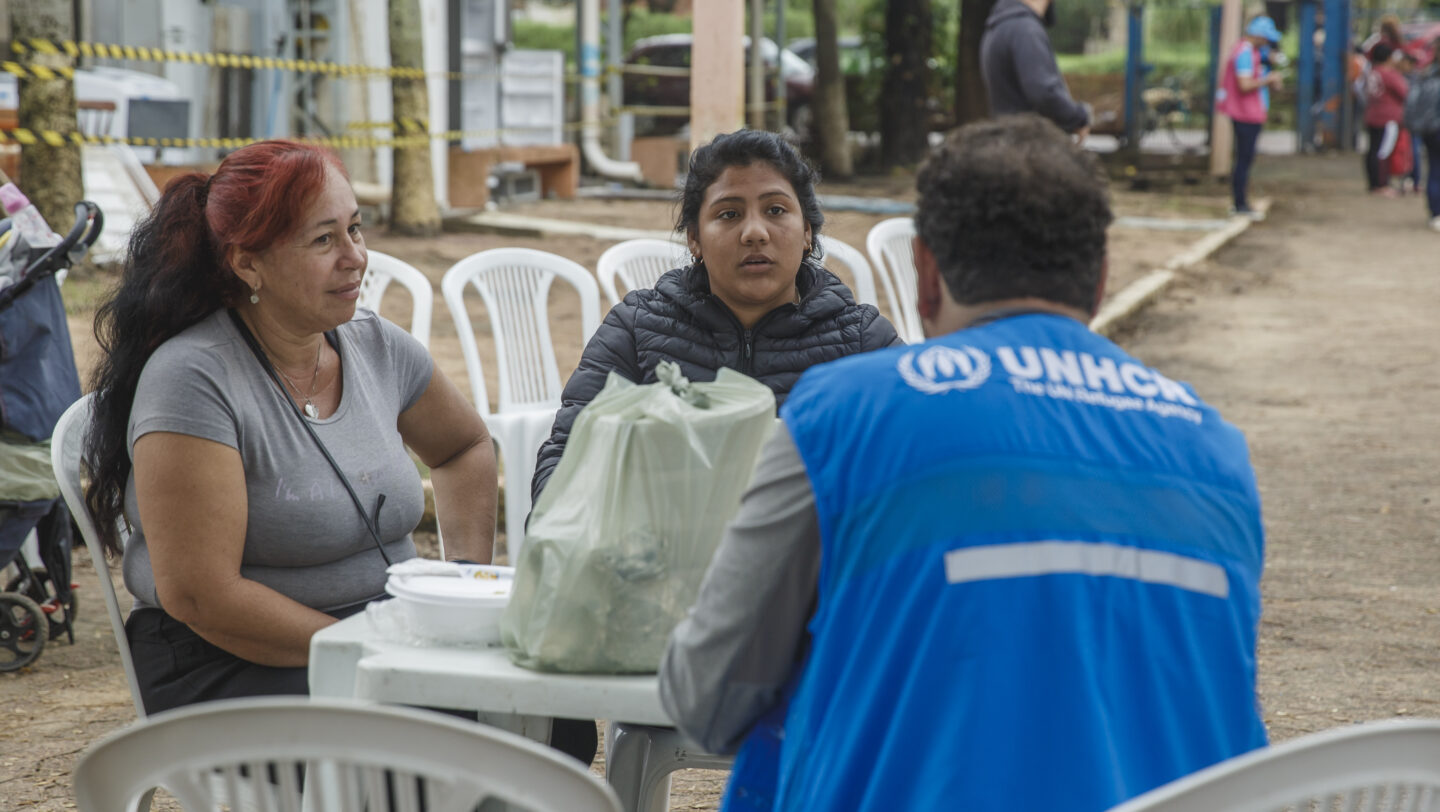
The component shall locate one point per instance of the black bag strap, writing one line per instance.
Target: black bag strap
(372, 524)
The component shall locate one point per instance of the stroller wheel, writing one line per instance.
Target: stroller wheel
(23, 631)
(37, 587)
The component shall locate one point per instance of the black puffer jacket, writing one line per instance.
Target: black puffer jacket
(680, 320)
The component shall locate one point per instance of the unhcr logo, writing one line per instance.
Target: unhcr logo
(936, 370)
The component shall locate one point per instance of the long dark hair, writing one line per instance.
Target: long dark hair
(744, 148)
(178, 272)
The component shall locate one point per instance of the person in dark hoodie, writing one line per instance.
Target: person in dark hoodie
(1019, 67)
(756, 296)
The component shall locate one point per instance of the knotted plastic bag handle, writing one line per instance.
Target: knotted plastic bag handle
(669, 374)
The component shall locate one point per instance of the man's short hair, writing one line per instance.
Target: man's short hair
(1014, 208)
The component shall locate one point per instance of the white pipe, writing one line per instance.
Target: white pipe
(590, 99)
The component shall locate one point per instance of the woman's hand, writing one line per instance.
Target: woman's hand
(193, 508)
(449, 436)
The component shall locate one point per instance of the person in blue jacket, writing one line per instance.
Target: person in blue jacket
(1010, 568)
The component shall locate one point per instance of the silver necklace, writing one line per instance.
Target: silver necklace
(309, 408)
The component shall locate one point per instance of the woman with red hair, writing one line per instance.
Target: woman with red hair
(250, 426)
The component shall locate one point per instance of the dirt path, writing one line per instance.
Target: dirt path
(1313, 332)
(1316, 333)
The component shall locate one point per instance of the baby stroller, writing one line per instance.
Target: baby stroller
(38, 381)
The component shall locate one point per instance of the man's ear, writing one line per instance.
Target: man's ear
(929, 287)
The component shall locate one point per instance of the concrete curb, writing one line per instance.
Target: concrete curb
(546, 227)
(1126, 304)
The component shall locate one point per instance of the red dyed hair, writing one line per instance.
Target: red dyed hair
(260, 192)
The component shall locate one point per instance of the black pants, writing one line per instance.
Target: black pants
(1377, 172)
(1247, 137)
(174, 667)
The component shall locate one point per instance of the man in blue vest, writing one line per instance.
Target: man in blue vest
(1009, 568)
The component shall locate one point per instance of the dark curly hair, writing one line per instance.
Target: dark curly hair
(744, 148)
(1013, 208)
(178, 272)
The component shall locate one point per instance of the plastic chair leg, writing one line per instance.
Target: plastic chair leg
(647, 756)
(142, 803)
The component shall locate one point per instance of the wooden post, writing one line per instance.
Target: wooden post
(717, 71)
(1222, 138)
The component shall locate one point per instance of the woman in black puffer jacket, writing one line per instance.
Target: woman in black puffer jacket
(755, 298)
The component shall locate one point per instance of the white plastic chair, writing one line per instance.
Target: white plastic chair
(384, 269)
(514, 284)
(353, 756)
(1379, 767)
(890, 249)
(66, 445)
(638, 263)
(860, 269)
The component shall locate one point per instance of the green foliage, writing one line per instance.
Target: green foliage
(641, 24)
(531, 35)
(544, 37)
(799, 20)
(1075, 22)
(944, 40)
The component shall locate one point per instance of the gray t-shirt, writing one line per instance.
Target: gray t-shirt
(304, 537)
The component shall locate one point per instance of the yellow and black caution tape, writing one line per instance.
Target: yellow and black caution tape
(414, 129)
(218, 60)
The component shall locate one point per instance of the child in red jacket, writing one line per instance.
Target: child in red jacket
(1385, 90)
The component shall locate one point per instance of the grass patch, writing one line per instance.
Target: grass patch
(84, 290)
(1168, 61)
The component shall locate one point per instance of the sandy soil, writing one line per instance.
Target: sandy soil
(1313, 332)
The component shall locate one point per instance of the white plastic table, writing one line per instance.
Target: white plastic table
(349, 659)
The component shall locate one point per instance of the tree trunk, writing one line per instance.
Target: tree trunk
(49, 174)
(832, 117)
(413, 210)
(905, 89)
(972, 102)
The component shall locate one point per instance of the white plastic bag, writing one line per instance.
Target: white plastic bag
(621, 537)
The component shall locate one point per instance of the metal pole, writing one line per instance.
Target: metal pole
(1216, 14)
(1134, 59)
(1305, 95)
(756, 94)
(781, 93)
(615, 82)
(1337, 41)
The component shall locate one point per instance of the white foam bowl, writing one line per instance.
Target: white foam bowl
(460, 611)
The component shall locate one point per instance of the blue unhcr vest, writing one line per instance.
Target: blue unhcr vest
(1039, 582)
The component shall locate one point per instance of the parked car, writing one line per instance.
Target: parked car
(855, 65)
(673, 51)
(854, 61)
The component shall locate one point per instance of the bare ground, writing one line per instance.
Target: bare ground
(1313, 332)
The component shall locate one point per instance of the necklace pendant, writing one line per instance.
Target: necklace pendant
(311, 412)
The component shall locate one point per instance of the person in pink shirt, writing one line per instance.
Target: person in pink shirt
(1385, 91)
(1244, 96)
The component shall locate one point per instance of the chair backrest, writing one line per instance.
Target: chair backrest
(383, 269)
(514, 284)
(638, 263)
(860, 270)
(352, 755)
(1381, 766)
(66, 446)
(889, 247)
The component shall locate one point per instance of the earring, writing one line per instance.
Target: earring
(254, 296)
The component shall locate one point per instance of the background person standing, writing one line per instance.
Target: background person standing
(1019, 67)
(1244, 96)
